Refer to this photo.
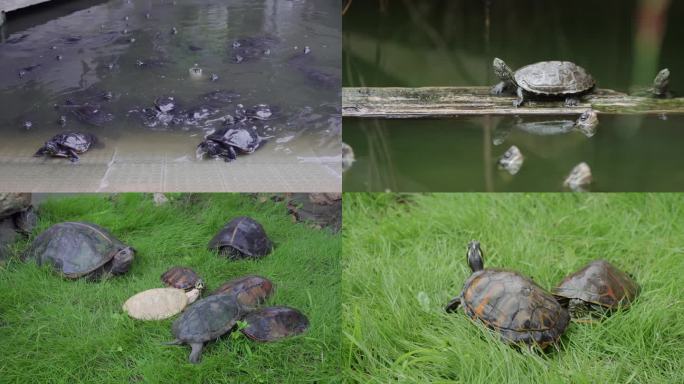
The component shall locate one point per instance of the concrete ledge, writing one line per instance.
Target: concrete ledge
(13, 5)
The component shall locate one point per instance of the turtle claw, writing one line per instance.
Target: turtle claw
(571, 102)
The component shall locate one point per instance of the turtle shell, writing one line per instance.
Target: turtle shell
(75, 249)
(79, 142)
(249, 290)
(244, 139)
(599, 282)
(156, 304)
(181, 278)
(554, 78)
(242, 237)
(274, 323)
(207, 319)
(513, 305)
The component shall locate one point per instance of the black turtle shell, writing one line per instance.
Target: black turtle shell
(242, 237)
(274, 323)
(207, 319)
(250, 290)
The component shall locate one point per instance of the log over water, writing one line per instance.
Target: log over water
(397, 103)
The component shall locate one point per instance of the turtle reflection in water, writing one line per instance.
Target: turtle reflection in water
(579, 178)
(511, 160)
(586, 123)
(67, 144)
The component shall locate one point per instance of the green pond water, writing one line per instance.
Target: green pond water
(452, 43)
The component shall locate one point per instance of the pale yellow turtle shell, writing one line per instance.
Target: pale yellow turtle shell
(156, 304)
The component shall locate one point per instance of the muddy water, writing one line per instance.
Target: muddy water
(77, 55)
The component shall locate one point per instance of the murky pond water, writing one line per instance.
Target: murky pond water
(452, 43)
(117, 57)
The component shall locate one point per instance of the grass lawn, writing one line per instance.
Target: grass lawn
(55, 330)
(404, 258)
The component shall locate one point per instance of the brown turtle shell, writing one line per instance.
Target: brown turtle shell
(250, 290)
(181, 278)
(274, 323)
(599, 282)
(515, 306)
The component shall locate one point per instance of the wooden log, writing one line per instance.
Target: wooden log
(397, 103)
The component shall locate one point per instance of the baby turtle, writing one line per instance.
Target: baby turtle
(660, 88)
(78, 249)
(510, 303)
(579, 178)
(241, 238)
(206, 320)
(249, 290)
(274, 323)
(185, 279)
(596, 289)
(586, 124)
(156, 304)
(511, 160)
(67, 144)
(546, 79)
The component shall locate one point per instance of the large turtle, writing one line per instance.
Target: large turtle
(243, 237)
(77, 249)
(250, 290)
(274, 323)
(548, 79)
(596, 289)
(510, 303)
(206, 320)
(67, 144)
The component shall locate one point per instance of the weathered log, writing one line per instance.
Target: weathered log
(396, 103)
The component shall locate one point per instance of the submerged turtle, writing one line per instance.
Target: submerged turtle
(579, 178)
(227, 143)
(185, 279)
(585, 123)
(77, 249)
(67, 144)
(249, 290)
(206, 320)
(241, 238)
(274, 323)
(252, 48)
(596, 289)
(546, 79)
(510, 303)
(156, 303)
(511, 160)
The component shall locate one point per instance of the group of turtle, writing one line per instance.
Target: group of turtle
(523, 313)
(85, 250)
(551, 80)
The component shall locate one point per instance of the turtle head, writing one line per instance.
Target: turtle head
(661, 82)
(502, 71)
(587, 122)
(199, 285)
(474, 256)
(122, 260)
(51, 148)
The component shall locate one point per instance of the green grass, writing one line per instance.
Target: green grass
(404, 258)
(55, 330)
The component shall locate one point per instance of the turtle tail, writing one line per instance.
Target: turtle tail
(175, 342)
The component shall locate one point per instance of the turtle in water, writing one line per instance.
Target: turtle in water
(206, 320)
(250, 290)
(252, 48)
(228, 142)
(586, 124)
(274, 323)
(67, 144)
(78, 249)
(511, 160)
(243, 237)
(579, 178)
(596, 289)
(185, 279)
(546, 79)
(510, 304)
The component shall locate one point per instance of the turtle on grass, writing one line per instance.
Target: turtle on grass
(545, 80)
(186, 279)
(274, 323)
(243, 237)
(250, 290)
(156, 303)
(511, 304)
(596, 289)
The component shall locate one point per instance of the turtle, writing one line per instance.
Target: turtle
(511, 160)
(586, 124)
(321, 210)
(165, 104)
(546, 79)
(512, 304)
(227, 142)
(81, 249)
(67, 144)
(156, 303)
(660, 88)
(250, 290)
(596, 289)
(274, 323)
(206, 320)
(17, 218)
(579, 178)
(185, 279)
(252, 48)
(242, 237)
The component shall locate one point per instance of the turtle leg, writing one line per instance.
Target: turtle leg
(572, 101)
(500, 88)
(71, 154)
(232, 153)
(521, 98)
(196, 352)
(453, 304)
